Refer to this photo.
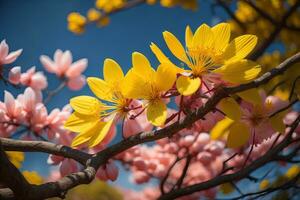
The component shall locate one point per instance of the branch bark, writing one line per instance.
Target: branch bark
(46, 147)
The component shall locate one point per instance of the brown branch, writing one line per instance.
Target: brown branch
(46, 147)
(268, 157)
(60, 187)
(11, 177)
(279, 26)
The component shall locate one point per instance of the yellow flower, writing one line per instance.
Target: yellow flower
(111, 88)
(87, 120)
(33, 177)
(76, 22)
(143, 82)
(292, 172)
(209, 51)
(15, 158)
(264, 184)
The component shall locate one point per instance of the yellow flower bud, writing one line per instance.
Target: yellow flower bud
(74, 28)
(93, 15)
(104, 21)
(264, 184)
(76, 18)
(293, 171)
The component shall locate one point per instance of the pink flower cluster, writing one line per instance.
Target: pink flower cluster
(63, 68)
(206, 161)
(28, 111)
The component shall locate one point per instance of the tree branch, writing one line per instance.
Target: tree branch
(46, 147)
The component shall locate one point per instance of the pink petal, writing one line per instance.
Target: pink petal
(57, 55)
(38, 81)
(3, 50)
(112, 171)
(12, 56)
(65, 62)
(9, 102)
(14, 75)
(76, 83)
(77, 68)
(48, 64)
(29, 99)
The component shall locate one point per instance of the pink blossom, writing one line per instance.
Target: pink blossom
(138, 124)
(5, 56)
(36, 80)
(257, 116)
(63, 67)
(29, 111)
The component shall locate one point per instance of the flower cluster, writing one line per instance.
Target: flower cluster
(29, 112)
(104, 8)
(213, 61)
(256, 23)
(63, 68)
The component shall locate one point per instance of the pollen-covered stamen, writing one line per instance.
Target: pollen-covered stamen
(203, 60)
(257, 117)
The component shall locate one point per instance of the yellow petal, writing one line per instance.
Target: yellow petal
(203, 37)
(175, 46)
(240, 47)
(277, 122)
(251, 96)
(157, 112)
(165, 77)
(100, 88)
(85, 136)
(221, 128)
(241, 71)
(239, 135)
(86, 105)
(80, 123)
(142, 66)
(112, 71)
(162, 58)
(221, 35)
(188, 36)
(136, 87)
(187, 86)
(101, 132)
(231, 108)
